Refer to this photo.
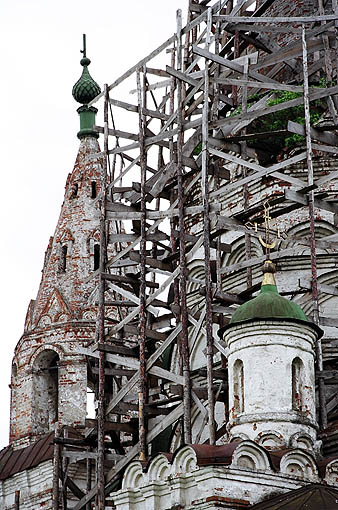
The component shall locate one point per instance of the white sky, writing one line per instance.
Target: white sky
(39, 58)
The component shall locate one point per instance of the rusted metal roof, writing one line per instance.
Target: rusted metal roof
(14, 461)
(311, 497)
(207, 454)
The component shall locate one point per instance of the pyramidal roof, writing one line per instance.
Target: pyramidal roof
(311, 497)
(69, 259)
(67, 277)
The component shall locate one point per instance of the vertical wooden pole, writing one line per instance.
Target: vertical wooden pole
(101, 336)
(206, 228)
(89, 479)
(64, 475)
(245, 187)
(17, 500)
(321, 384)
(143, 314)
(56, 469)
(183, 271)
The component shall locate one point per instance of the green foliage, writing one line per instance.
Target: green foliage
(198, 149)
(279, 120)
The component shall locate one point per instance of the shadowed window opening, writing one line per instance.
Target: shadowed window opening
(46, 391)
(238, 386)
(96, 256)
(297, 387)
(93, 189)
(63, 265)
(75, 189)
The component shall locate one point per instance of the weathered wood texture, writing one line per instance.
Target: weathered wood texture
(190, 152)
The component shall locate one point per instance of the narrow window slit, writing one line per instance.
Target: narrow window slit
(75, 189)
(63, 259)
(96, 256)
(93, 189)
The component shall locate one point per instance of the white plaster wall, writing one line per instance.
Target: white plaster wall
(267, 350)
(35, 487)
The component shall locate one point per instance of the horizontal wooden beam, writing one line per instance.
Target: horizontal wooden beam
(303, 200)
(275, 20)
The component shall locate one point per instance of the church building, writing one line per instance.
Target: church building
(181, 352)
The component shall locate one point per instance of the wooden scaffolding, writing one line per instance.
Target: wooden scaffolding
(195, 135)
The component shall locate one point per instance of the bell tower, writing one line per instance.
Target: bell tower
(49, 379)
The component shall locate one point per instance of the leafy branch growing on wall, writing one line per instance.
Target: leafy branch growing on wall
(279, 120)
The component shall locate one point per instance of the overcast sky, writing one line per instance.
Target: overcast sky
(40, 45)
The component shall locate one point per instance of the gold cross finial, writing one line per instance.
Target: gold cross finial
(267, 243)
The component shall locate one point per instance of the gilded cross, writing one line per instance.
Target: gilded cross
(267, 243)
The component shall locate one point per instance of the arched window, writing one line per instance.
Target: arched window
(96, 256)
(45, 391)
(297, 384)
(238, 378)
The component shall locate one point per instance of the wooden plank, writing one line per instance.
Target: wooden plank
(152, 434)
(153, 358)
(184, 77)
(157, 72)
(256, 84)
(159, 215)
(151, 262)
(139, 65)
(126, 106)
(329, 177)
(127, 238)
(132, 363)
(288, 52)
(303, 199)
(132, 297)
(229, 64)
(326, 289)
(321, 136)
(213, 244)
(275, 20)
(259, 260)
(242, 27)
(74, 488)
(115, 371)
(150, 333)
(328, 321)
(253, 114)
(117, 133)
(77, 456)
(168, 172)
(260, 171)
(116, 349)
(325, 148)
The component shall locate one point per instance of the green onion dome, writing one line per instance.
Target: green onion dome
(269, 305)
(85, 89)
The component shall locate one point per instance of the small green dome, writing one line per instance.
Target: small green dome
(268, 305)
(85, 89)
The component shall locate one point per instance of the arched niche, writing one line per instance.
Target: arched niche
(238, 386)
(297, 369)
(45, 391)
